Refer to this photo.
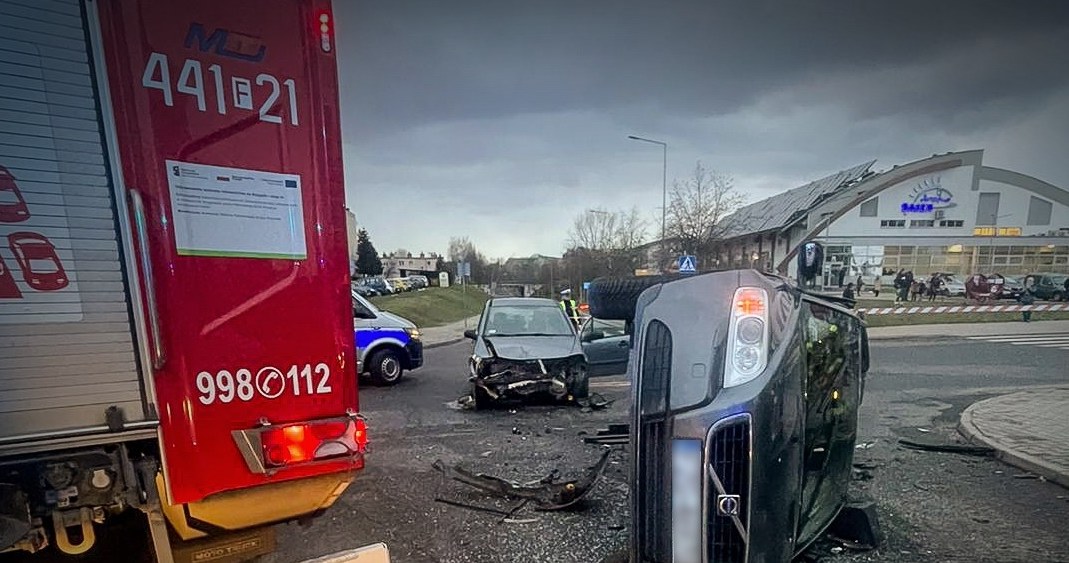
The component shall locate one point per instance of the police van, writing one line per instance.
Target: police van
(386, 344)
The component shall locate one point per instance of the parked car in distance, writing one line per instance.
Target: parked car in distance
(524, 347)
(418, 282)
(606, 345)
(386, 344)
(398, 285)
(1049, 286)
(1012, 287)
(365, 291)
(953, 286)
(378, 284)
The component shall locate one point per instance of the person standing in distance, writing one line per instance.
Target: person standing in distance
(567, 304)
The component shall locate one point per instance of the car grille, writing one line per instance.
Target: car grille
(653, 517)
(728, 450)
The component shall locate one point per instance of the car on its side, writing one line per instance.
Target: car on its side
(1049, 286)
(525, 348)
(386, 344)
(744, 412)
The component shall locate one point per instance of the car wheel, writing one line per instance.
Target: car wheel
(614, 299)
(386, 367)
(581, 385)
(1057, 296)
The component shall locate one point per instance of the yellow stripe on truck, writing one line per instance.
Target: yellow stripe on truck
(247, 508)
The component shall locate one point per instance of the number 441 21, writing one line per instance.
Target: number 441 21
(191, 79)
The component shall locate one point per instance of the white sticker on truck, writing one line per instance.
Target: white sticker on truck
(234, 212)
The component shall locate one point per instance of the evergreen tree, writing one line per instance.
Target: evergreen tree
(368, 262)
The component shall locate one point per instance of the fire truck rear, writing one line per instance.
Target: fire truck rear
(176, 333)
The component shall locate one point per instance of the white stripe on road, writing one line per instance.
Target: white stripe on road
(1016, 338)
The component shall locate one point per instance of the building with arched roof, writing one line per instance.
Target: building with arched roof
(947, 213)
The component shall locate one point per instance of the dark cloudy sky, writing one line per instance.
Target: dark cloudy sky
(500, 120)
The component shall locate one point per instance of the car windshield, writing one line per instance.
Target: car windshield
(527, 320)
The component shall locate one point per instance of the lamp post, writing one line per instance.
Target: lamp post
(664, 191)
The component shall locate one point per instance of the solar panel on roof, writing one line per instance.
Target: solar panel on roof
(779, 210)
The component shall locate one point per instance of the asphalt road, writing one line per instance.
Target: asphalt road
(932, 506)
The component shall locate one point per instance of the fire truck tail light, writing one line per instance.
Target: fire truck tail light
(312, 441)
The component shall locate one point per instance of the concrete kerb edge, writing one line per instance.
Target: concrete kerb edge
(968, 428)
(430, 345)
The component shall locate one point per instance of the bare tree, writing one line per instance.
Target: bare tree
(594, 229)
(631, 230)
(605, 243)
(697, 207)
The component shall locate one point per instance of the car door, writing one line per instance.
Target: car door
(606, 345)
(833, 360)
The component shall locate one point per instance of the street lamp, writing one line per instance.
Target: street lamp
(664, 190)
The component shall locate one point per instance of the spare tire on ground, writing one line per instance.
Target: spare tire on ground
(614, 299)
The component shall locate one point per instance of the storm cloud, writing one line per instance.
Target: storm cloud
(502, 120)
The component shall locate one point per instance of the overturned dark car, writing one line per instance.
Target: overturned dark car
(745, 400)
(525, 349)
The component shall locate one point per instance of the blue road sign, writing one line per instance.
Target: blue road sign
(586, 286)
(688, 264)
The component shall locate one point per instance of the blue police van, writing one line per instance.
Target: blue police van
(386, 344)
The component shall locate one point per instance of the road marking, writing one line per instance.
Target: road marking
(1059, 341)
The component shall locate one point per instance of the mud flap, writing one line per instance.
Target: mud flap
(226, 548)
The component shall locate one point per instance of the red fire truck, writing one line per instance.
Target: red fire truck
(177, 338)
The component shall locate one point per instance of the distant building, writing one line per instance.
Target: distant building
(351, 236)
(394, 266)
(948, 213)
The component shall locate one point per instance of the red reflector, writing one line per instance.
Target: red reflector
(749, 301)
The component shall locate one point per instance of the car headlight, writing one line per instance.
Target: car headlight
(747, 336)
(413, 333)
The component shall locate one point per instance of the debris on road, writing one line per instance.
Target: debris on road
(613, 435)
(547, 493)
(857, 527)
(947, 448)
(865, 445)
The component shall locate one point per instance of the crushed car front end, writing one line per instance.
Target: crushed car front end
(498, 378)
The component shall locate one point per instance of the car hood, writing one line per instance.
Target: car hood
(534, 347)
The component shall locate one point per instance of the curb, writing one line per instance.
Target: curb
(968, 428)
(429, 345)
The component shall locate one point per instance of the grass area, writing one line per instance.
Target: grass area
(951, 318)
(434, 306)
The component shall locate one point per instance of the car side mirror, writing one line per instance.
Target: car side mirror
(469, 334)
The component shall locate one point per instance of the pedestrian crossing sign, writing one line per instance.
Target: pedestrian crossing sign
(688, 264)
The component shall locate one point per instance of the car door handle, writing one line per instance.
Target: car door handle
(622, 344)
